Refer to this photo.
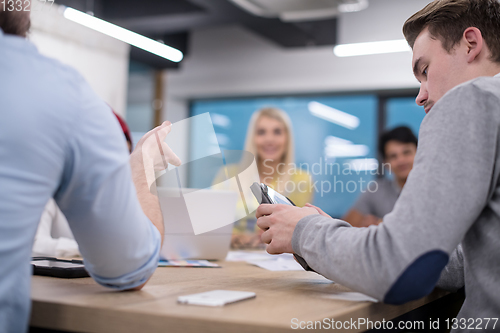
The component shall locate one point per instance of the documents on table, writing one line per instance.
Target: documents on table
(255, 255)
(350, 296)
(216, 297)
(281, 262)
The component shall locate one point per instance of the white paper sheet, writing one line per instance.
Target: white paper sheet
(280, 262)
(277, 265)
(350, 296)
(255, 255)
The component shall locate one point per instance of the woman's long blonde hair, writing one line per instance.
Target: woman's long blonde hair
(289, 156)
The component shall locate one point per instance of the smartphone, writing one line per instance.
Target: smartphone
(266, 195)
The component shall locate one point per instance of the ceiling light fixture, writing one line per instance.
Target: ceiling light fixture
(353, 6)
(359, 49)
(123, 34)
(300, 10)
(336, 147)
(333, 115)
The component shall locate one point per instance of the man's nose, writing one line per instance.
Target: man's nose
(422, 95)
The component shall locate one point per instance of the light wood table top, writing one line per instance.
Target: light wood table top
(84, 306)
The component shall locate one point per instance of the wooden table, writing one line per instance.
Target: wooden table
(82, 305)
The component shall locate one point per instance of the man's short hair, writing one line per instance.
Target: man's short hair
(15, 22)
(448, 19)
(400, 134)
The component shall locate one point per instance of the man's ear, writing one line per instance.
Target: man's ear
(474, 42)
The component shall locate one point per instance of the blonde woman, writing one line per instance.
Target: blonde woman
(270, 140)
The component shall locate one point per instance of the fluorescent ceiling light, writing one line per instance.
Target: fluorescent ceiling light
(346, 151)
(337, 147)
(333, 115)
(220, 120)
(358, 49)
(353, 7)
(124, 35)
(300, 10)
(335, 140)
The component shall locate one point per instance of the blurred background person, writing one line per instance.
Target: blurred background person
(398, 148)
(54, 237)
(270, 140)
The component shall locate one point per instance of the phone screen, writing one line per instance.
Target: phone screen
(278, 198)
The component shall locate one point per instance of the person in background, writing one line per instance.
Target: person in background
(54, 237)
(270, 140)
(397, 148)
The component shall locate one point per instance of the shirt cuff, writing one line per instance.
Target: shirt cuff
(138, 277)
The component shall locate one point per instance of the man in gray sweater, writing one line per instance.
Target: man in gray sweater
(452, 195)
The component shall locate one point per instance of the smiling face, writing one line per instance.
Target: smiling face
(270, 139)
(437, 70)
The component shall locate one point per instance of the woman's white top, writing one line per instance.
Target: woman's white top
(54, 237)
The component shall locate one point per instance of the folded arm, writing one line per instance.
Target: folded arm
(117, 222)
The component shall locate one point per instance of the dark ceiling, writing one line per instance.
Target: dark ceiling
(172, 21)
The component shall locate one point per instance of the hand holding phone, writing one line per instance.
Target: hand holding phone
(266, 195)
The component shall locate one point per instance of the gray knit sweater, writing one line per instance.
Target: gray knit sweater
(451, 197)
